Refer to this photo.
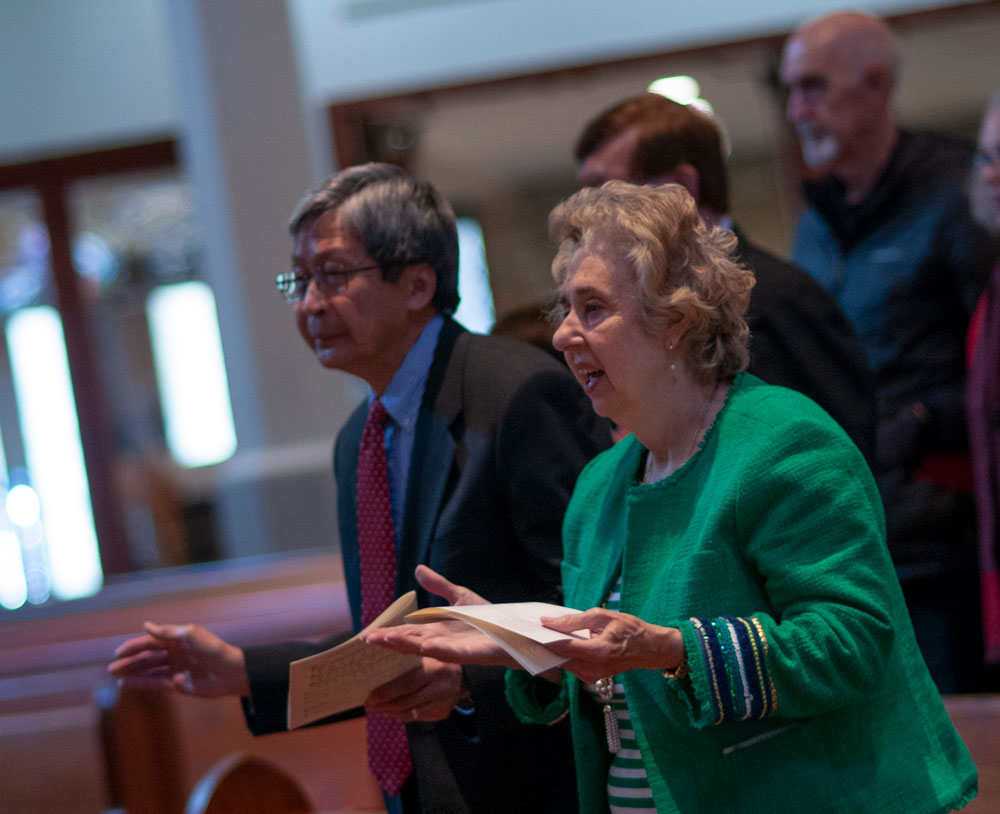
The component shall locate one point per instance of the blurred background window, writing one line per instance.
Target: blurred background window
(131, 318)
(48, 544)
(476, 310)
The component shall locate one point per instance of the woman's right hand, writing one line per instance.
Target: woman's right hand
(184, 658)
(432, 582)
(454, 642)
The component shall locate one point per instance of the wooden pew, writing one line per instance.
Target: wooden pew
(71, 744)
(245, 784)
(977, 719)
(59, 753)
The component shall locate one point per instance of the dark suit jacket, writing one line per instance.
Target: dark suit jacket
(799, 338)
(502, 433)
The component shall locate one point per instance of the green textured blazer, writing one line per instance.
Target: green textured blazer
(767, 549)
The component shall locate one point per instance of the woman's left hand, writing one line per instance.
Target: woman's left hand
(618, 642)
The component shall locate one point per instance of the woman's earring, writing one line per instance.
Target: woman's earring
(670, 349)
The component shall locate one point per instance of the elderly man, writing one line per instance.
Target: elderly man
(463, 459)
(799, 337)
(889, 234)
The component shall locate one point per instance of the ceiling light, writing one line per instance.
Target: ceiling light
(681, 89)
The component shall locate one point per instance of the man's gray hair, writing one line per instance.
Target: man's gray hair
(399, 220)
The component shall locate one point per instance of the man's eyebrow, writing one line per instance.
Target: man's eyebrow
(322, 256)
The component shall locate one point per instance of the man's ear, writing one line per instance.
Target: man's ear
(685, 175)
(421, 283)
(878, 81)
(688, 177)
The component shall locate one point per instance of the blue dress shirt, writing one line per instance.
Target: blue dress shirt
(402, 401)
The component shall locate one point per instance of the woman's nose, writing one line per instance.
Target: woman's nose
(564, 334)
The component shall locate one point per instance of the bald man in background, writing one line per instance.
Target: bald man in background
(888, 232)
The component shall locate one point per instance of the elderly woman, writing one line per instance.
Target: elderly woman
(747, 629)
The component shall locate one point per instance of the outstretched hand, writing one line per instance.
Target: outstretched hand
(618, 641)
(184, 658)
(432, 582)
(453, 642)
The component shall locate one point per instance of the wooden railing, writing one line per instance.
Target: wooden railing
(71, 742)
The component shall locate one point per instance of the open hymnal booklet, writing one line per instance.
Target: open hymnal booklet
(515, 626)
(341, 678)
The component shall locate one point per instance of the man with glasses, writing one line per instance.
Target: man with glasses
(463, 459)
(888, 232)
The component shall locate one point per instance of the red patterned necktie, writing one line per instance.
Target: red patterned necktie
(388, 750)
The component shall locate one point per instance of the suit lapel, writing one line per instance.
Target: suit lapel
(346, 471)
(433, 452)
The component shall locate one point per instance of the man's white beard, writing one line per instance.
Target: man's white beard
(818, 149)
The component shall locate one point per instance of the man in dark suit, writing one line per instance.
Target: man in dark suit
(799, 338)
(484, 439)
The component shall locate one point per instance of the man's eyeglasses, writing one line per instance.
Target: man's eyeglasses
(330, 282)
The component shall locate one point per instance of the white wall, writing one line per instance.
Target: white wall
(361, 48)
(76, 74)
(81, 73)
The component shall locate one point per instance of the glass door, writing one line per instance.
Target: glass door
(48, 542)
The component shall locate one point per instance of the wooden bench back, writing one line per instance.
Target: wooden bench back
(70, 742)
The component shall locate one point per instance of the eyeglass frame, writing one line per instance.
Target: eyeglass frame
(288, 283)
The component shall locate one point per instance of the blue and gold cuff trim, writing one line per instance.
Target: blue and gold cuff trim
(734, 652)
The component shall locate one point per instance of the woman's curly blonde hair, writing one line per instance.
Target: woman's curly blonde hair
(682, 269)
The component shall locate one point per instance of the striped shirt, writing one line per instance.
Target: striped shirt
(628, 788)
